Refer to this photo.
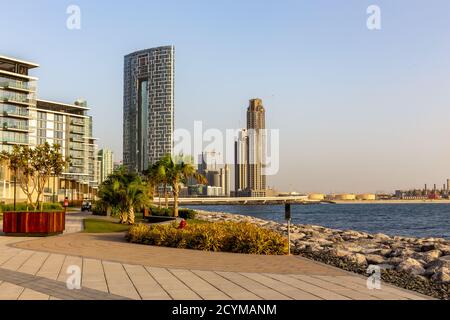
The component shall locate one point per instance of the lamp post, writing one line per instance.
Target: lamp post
(15, 180)
(287, 216)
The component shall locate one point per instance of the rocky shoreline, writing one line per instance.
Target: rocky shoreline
(419, 264)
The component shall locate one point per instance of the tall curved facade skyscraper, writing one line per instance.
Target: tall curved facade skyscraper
(148, 106)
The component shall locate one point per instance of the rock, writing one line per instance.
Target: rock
(351, 235)
(340, 252)
(357, 258)
(395, 261)
(399, 252)
(383, 252)
(381, 236)
(445, 249)
(443, 275)
(428, 247)
(386, 266)
(412, 266)
(428, 256)
(352, 247)
(374, 259)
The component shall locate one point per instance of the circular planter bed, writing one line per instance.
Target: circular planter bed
(33, 224)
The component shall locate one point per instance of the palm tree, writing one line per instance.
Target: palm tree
(135, 195)
(123, 192)
(179, 173)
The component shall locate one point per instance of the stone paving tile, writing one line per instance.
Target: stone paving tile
(51, 267)
(93, 276)
(34, 263)
(281, 287)
(386, 288)
(17, 260)
(172, 285)
(14, 283)
(331, 286)
(69, 262)
(380, 294)
(229, 288)
(199, 286)
(147, 287)
(307, 287)
(29, 294)
(9, 291)
(118, 281)
(257, 288)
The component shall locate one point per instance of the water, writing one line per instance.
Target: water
(415, 220)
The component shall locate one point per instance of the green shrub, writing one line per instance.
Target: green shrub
(187, 213)
(220, 236)
(155, 211)
(99, 208)
(47, 206)
(168, 212)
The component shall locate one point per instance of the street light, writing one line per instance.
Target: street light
(287, 216)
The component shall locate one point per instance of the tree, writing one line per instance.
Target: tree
(124, 192)
(179, 173)
(32, 167)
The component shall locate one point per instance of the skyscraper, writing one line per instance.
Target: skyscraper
(249, 153)
(148, 113)
(106, 164)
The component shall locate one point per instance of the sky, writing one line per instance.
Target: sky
(358, 110)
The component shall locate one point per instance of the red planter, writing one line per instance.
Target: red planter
(33, 223)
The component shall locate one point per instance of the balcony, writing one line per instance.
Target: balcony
(18, 100)
(8, 140)
(76, 130)
(77, 122)
(76, 138)
(76, 147)
(16, 113)
(17, 86)
(15, 127)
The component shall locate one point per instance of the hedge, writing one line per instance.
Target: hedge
(47, 206)
(219, 236)
(168, 212)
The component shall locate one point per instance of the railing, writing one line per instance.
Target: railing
(9, 110)
(76, 130)
(78, 122)
(11, 84)
(14, 126)
(76, 138)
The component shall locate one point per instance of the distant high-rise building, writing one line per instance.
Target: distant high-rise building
(148, 114)
(249, 176)
(225, 180)
(106, 164)
(241, 162)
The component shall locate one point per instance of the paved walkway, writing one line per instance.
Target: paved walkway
(113, 269)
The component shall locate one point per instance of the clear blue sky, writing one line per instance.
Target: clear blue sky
(358, 110)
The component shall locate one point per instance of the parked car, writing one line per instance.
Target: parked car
(86, 206)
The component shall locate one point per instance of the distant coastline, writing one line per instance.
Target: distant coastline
(441, 201)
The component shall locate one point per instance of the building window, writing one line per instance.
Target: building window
(42, 133)
(42, 116)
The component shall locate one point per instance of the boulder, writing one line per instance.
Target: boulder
(442, 275)
(428, 256)
(381, 236)
(375, 259)
(425, 247)
(357, 258)
(412, 266)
